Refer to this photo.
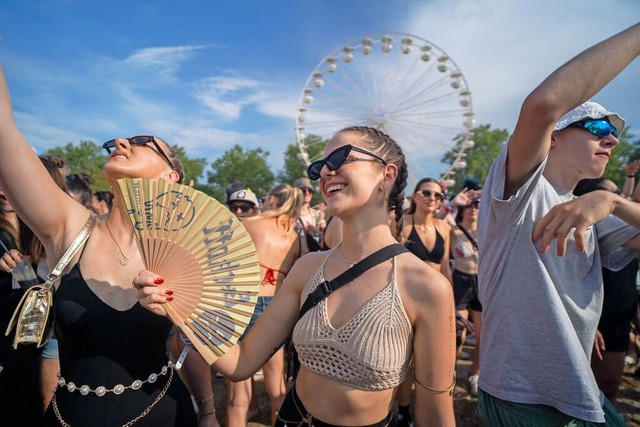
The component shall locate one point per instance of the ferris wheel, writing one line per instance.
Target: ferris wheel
(398, 83)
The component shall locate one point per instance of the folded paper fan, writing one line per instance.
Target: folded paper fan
(203, 253)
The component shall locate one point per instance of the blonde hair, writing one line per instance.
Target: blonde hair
(288, 203)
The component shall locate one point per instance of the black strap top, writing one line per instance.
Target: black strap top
(415, 245)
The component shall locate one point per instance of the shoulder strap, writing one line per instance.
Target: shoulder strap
(471, 239)
(325, 288)
(77, 243)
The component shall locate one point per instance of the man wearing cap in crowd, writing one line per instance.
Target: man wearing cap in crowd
(542, 250)
(312, 219)
(243, 203)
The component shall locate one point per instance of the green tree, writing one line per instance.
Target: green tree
(626, 151)
(249, 167)
(480, 157)
(90, 158)
(193, 167)
(294, 167)
(86, 157)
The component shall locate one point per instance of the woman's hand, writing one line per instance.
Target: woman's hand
(464, 197)
(598, 345)
(9, 260)
(150, 295)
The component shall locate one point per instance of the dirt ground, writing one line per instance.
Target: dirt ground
(464, 403)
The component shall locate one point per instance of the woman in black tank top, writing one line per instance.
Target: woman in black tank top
(114, 366)
(428, 238)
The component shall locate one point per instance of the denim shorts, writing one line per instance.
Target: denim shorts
(50, 349)
(260, 307)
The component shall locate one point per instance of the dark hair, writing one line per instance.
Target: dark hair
(29, 242)
(471, 183)
(175, 161)
(385, 147)
(588, 185)
(105, 196)
(79, 187)
(412, 208)
(233, 187)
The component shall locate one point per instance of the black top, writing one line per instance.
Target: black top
(620, 295)
(102, 346)
(415, 245)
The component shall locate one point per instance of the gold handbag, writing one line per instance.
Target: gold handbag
(33, 318)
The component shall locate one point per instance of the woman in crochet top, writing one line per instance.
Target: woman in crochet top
(355, 345)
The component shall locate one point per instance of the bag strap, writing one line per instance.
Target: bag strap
(471, 239)
(325, 288)
(76, 244)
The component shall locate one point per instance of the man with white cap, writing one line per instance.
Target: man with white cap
(540, 281)
(243, 203)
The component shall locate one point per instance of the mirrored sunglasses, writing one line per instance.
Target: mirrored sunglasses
(598, 127)
(429, 193)
(140, 141)
(337, 158)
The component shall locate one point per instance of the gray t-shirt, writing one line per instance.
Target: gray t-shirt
(541, 311)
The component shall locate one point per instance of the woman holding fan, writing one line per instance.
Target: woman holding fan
(113, 364)
(355, 345)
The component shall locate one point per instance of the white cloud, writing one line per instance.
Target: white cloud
(226, 96)
(506, 48)
(162, 61)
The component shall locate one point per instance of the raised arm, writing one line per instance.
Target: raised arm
(46, 209)
(570, 85)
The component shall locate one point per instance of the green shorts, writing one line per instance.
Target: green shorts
(497, 412)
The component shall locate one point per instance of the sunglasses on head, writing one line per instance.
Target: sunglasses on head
(243, 208)
(429, 193)
(598, 127)
(337, 158)
(139, 141)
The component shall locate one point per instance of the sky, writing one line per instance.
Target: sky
(210, 74)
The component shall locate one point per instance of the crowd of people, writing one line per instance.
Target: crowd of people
(540, 264)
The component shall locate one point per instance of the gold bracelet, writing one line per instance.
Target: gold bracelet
(207, 414)
(448, 390)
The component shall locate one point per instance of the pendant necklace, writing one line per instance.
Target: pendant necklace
(351, 263)
(125, 259)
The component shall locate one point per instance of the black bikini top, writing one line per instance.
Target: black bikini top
(415, 245)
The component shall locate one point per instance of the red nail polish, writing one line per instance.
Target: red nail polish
(168, 292)
(158, 281)
(169, 298)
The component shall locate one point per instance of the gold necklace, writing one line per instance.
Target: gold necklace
(125, 259)
(351, 263)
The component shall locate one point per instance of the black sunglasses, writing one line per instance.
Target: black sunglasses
(429, 193)
(598, 127)
(337, 158)
(243, 208)
(139, 141)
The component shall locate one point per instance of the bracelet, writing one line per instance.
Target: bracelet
(207, 414)
(208, 399)
(631, 176)
(448, 390)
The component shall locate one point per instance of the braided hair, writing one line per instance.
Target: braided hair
(384, 146)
